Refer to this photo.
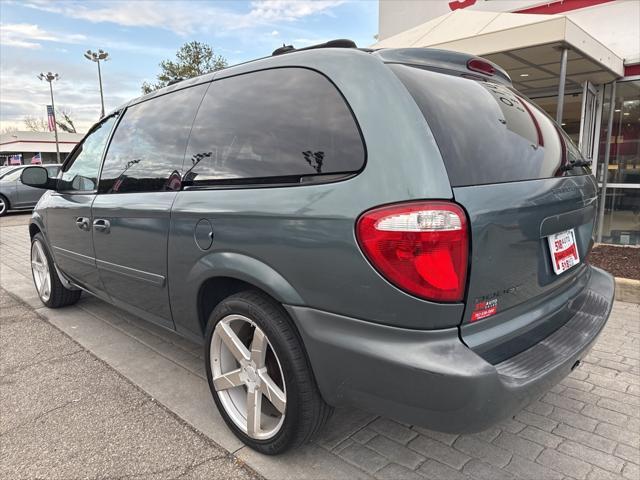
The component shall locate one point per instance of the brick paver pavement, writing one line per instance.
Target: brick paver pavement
(587, 427)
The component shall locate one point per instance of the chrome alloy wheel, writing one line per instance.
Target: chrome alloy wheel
(40, 271)
(3, 205)
(248, 377)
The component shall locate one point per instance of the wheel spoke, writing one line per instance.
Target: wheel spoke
(41, 256)
(47, 285)
(254, 409)
(40, 268)
(259, 348)
(233, 343)
(271, 390)
(227, 380)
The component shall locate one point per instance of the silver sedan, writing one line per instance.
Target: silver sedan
(16, 196)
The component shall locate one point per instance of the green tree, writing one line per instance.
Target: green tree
(192, 59)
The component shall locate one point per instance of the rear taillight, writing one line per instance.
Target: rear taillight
(420, 247)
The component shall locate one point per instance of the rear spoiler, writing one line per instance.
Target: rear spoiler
(445, 60)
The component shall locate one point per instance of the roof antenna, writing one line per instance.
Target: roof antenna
(283, 49)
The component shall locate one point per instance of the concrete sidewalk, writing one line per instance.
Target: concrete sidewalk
(588, 427)
(66, 414)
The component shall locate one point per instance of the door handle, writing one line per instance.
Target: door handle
(82, 223)
(102, 225)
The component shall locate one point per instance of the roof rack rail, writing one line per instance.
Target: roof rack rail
(339, 43)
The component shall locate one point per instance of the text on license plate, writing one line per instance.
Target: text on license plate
(564, 252)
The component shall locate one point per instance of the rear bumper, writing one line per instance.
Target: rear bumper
(430, 378)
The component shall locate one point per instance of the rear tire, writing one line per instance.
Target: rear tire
(297, 411)
(4, 205)
(45, 277)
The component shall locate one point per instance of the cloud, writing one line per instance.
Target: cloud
(22, 94)
(182, 18)
(31, 36)
(27, 35)
(28, 47)
(289, 10)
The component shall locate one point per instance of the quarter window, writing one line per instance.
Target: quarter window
(80, 174)
(147, 149)
(272, 126)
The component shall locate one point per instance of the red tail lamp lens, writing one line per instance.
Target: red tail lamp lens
(481, 66)
(420, 247)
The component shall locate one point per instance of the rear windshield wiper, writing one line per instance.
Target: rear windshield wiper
(575, 163)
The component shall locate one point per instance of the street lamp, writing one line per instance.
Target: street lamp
(96, 57)
(50, 77)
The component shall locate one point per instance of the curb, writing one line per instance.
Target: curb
(627, 290)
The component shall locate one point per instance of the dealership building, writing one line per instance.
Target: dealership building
(24, 148)
(578, 59)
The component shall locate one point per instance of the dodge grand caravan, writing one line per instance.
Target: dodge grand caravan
(397, 230)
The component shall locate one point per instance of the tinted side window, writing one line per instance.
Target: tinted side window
(487, 132)
(81, 171)
(286, 122)
(147, 149)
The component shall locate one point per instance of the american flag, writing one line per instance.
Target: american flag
(51, 117)
(36, 159)
(15, 159)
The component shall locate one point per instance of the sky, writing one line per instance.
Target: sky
(41, 36)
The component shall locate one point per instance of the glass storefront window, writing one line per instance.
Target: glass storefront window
(621, 219)
(624, 153)
(621, 222)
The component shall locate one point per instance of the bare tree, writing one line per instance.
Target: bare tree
(9, 129)
(66, 124)
(63, 120)
(34, 124)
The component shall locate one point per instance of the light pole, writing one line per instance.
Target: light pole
(96, 57)
(50, 77)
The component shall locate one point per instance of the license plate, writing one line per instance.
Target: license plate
(564, 252)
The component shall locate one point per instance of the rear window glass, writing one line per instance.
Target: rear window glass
(279, 124)
(487, 132)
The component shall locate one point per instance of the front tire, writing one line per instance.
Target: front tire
(45, 277)
(259, 375)
(4, 205)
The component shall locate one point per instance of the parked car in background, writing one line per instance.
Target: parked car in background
(397, 230)
(14, 195)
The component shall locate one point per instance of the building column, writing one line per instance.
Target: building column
(563, 79)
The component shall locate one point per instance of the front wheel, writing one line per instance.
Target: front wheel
(45, 277)
(259, 375)
(4, 205)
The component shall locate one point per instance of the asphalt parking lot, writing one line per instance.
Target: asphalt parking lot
(588, 427)
(66, 414)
